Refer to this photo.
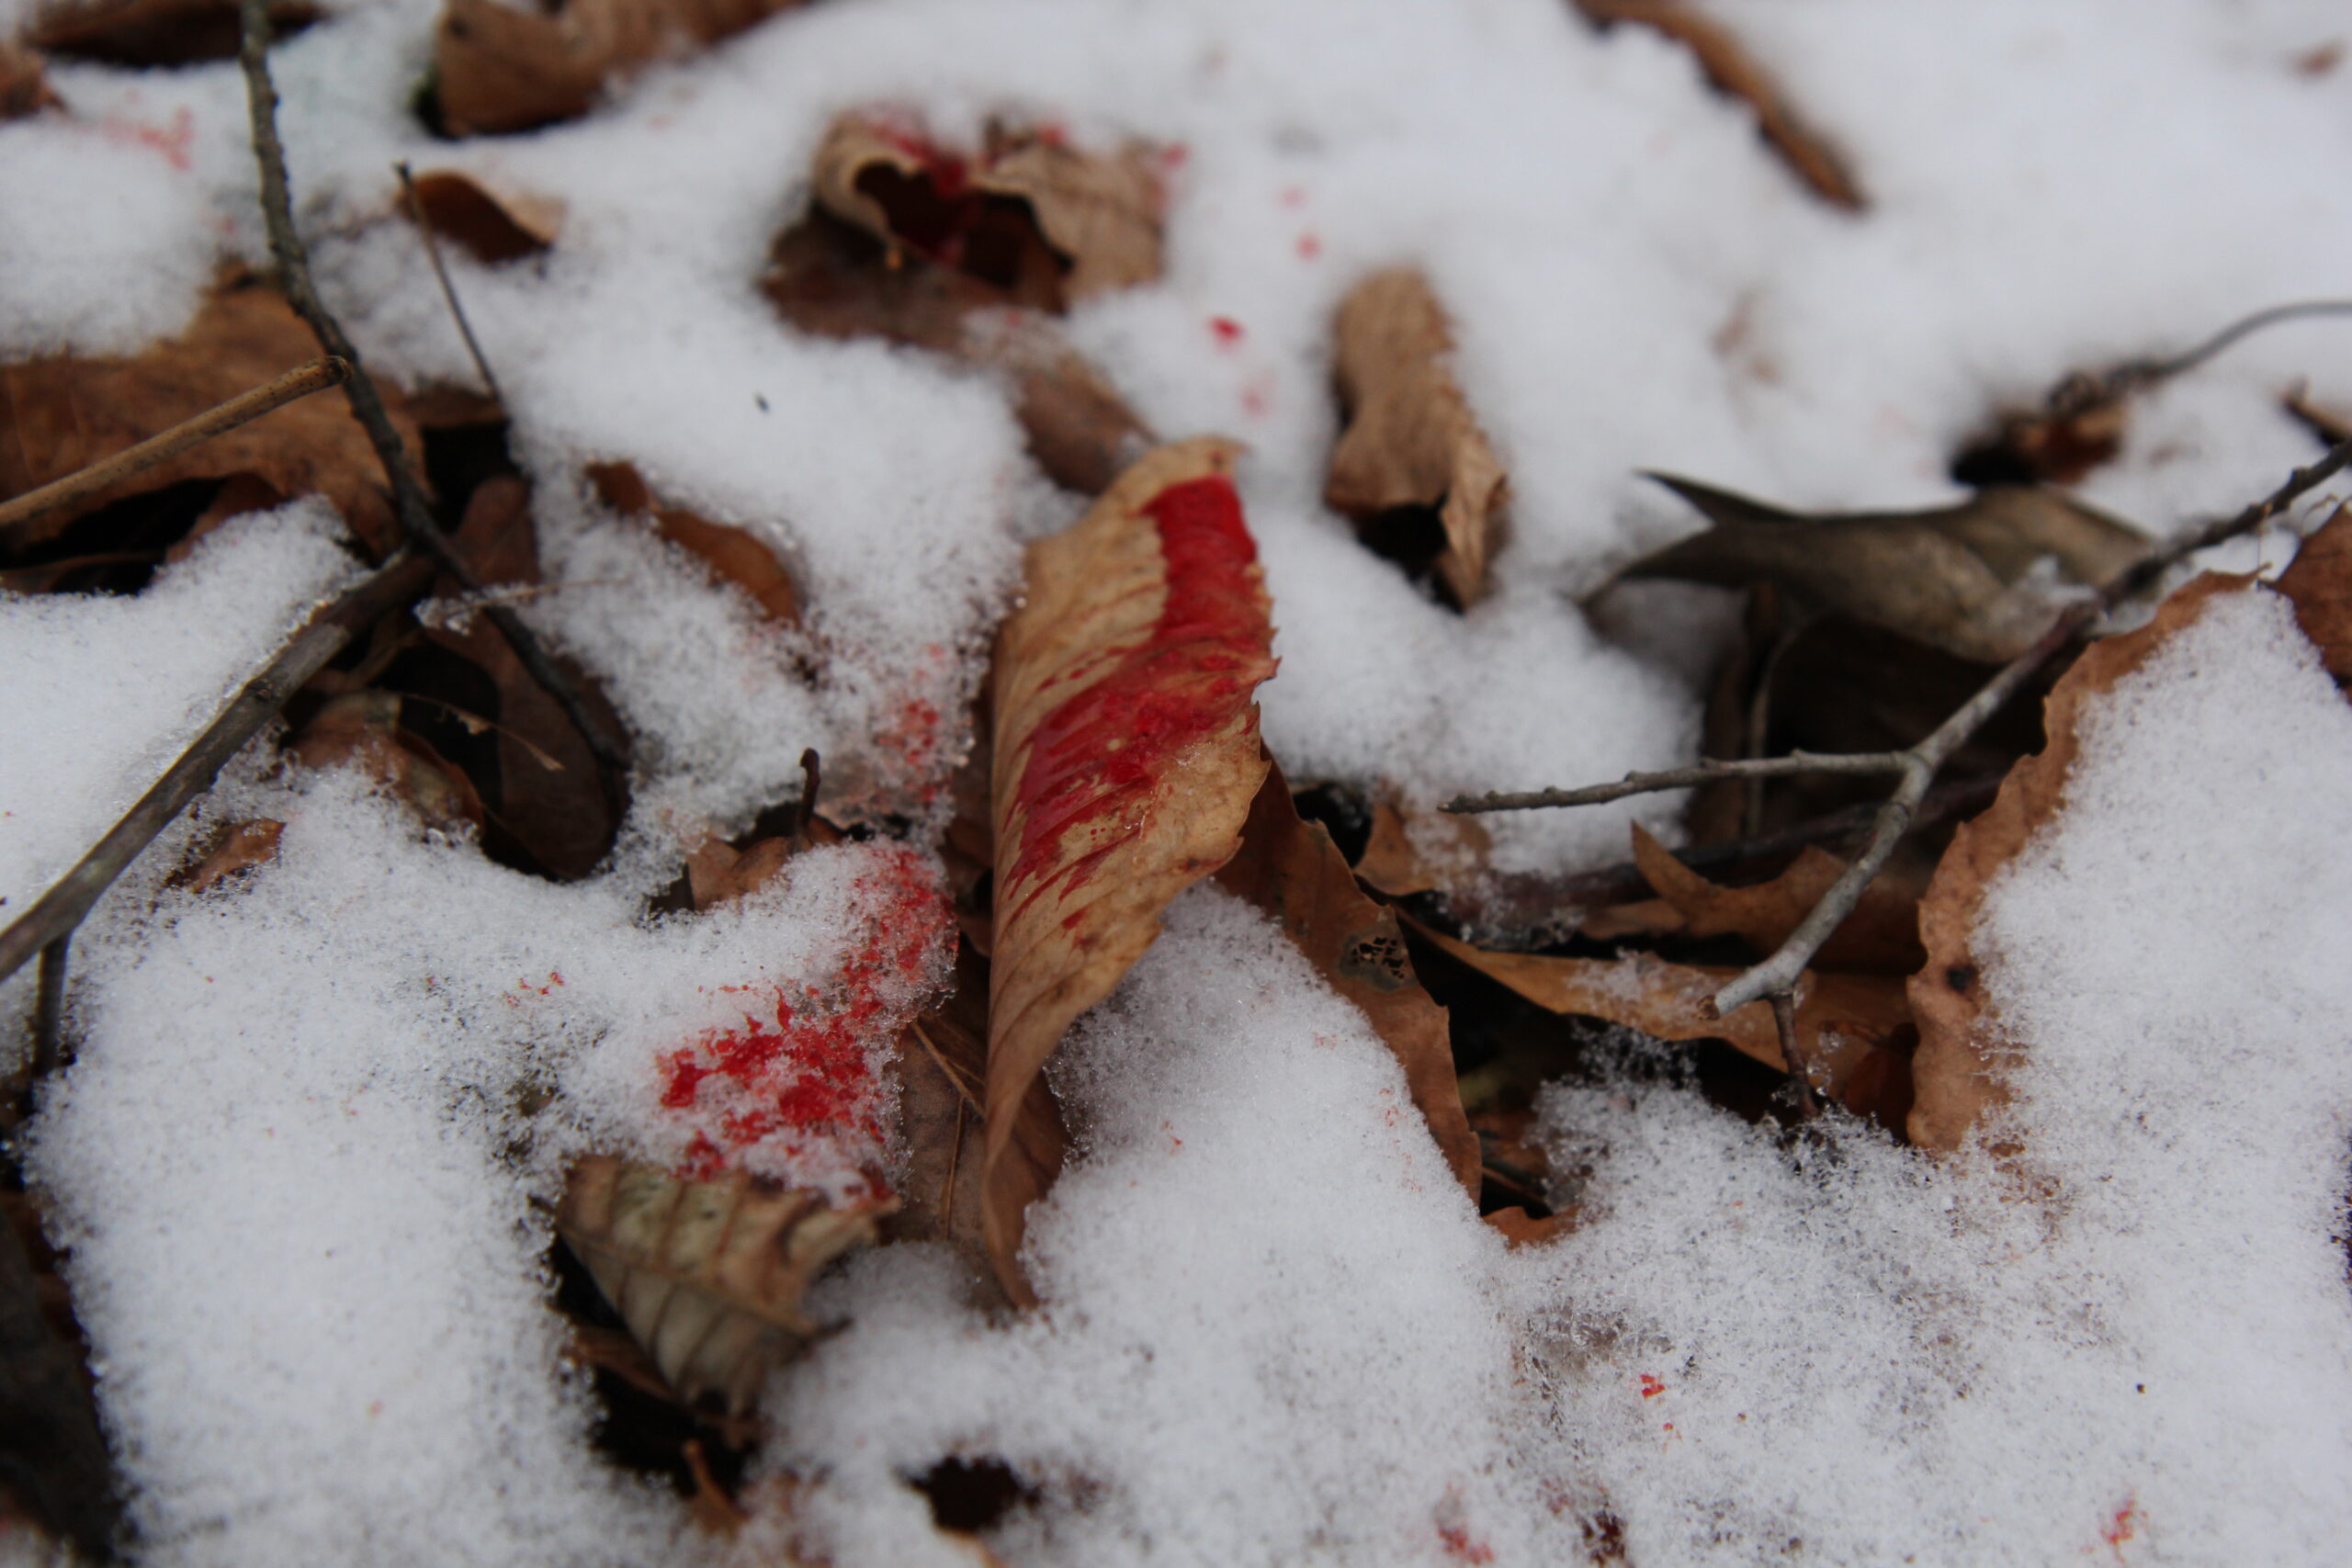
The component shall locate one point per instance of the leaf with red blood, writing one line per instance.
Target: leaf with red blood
(1126, 759)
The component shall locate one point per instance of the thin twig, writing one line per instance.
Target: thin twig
(61, 910)
(1707, 770)
(300, 382)
(409, 501)
(1793, 1054)
(49, 1006)
(2080, 393)
(441, 272)
(813, 778)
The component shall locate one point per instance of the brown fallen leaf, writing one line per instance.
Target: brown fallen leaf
(1521, 1229)
(1045, 223)
(1961, 1055)
(59, 415)
(1880, 937)
(156, 32)
(1291, 869)
(733, 555)
(24, 85)
(242, 847)
(1410, 454)
(496, 225)
(2056, 445)
(499, 68)
(1126, 759)
(1730, 69)
(2318, 582)
(1855, 1028)
(1981, 580)
(708, 1275)
(362, 730)
(943, 1073)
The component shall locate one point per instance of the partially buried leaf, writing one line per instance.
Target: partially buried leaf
(1126, 760)
(59, 415)
(1882, 936)
(242, 847)
(1981, 580)
(1855, 1028)
(24, 86)
(495, 224)
(2319, 583)
(362, 730)
(155, 32)
(708, 1275)
(1291, 869)
(733, 555)
(1963, 1050)
(1412, 467)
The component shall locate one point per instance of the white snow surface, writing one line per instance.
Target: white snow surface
(302, 1160)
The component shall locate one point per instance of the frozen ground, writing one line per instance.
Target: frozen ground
(294, 1161)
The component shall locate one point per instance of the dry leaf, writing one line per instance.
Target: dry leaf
(732, 554)
(1291, 869)
(24, 86)
(242, 847)
(362, 729)
(1957, 1068)
(496, 225)
(1045, 223)
(1981, 580)
(941, 1074)
(499, 68)
(1855, 1028)
(156, 32)
(1411, 454)
(58, 416)
(708, 1275)
(1520, 1229)
(1126, 760)
(1730, 69)
(2319, 583)
(1880, 937)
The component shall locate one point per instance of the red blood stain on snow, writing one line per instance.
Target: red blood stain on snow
(2122, 1527)
(1310, 247)
(1651, 1387)
(788, 1073)
(176, 143)
(1258, 396)
(1463, 1547)
(1103, 753)
(1294, 197)
(1226, 330)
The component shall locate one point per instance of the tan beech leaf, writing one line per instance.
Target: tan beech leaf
(362, 729)
(1959, 1065)
(2319, 584)
(1880, 937)
(495, 224)
(1729, 69)
(24, 85)
(1045, 222)
(733, 555)
(1981, 580)
(708, 1275)
(1291, 869)
(1856, 1027)
(242, 847)
(1126, 759)
(1410, 447)
(59, 415)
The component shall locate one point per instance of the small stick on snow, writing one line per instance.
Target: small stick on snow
(1784, 1022)
(298, 383)
(49, 1006)
(2079, 393)
(811, 779)
(441, 273)
(409, 501)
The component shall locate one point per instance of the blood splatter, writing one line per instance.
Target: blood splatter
(1226, 330)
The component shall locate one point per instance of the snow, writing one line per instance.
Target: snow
(298, 1161)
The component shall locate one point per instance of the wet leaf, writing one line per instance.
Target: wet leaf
(2319, 583)
(1126, 760)
(495, 224)
(1882, 936)
(24, 86)
(1981, 580)
(1961, 1049)
(1292, 870)
(1412, 467)
(502, 68)
(362, 730)
(59, 415)
(1730, 69)
(1856, 1027)
(708, 1275)
(733, 555)
(156, 32)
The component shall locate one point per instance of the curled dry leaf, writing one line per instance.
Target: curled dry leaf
(58, 416)
(1412, 467)
(499, 68)
(1126, 760)
(495, 224)
(1855, 1028)
(1962, 1051)
(24, 85)
(1292, 871)
(1981, 580)
(1880, 937)
(708, 1275)
(732, 554)
(362, 730)
(1030, 215)
(1731, 70)
(2319, 583)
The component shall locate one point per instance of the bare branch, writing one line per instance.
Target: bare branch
(298, 383)
(1707, 770)
(1792, 1054)
(441, 274)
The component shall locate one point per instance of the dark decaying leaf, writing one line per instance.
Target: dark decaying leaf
(1126, 759)
(494, 223)
(2319, 583)
(24, 85)
(502, 68)
(733, 555)
(59, 415)
(1981, 580)
(1412, 467)
(155, 32)
(53, 1462)
(708, 1275)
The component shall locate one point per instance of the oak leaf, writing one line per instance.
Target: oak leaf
(708, 1275)
(502, 68)
(1410, 451)
(1126, 759)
